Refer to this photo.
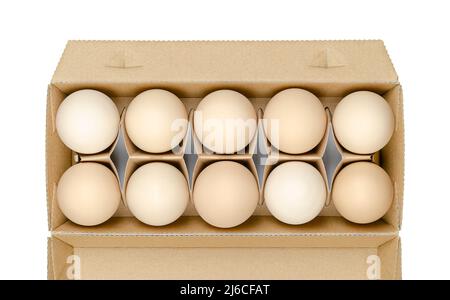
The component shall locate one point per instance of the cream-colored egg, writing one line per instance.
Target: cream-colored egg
(295, 192)
(225, 122)
(294, 121)
(156, 121)
(157, 194)
(87, 121)
(88, 194)
(363, 122)
(225, 194)
(362, 192)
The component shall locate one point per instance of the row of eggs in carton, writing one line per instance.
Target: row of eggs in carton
(225, 194)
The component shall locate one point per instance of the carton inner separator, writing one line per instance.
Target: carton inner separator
(328, 161)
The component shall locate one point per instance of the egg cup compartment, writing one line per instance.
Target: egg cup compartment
(261, 248)
(106, 157)
(138, 157)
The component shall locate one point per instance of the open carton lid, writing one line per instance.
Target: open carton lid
(102, 63)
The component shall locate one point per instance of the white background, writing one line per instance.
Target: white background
(33, 35)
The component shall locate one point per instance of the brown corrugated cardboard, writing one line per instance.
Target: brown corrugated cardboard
(262, 230)
(160, 62)
(248, 262)
(320, 249)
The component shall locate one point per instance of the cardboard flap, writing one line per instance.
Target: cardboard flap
(224, 263)
(363, 61)
(258, 231)
(98, 261)
(390, 258)
(59, 255)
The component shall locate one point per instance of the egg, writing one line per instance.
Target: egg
(225, 194)
(156, 121)
(88, 194)
(294, 121)
(363, 122)
(157, 194)
(295, 192)
(87, 121)
(362, 192)
(225, 122)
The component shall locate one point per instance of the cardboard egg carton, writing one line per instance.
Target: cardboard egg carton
(329, 247)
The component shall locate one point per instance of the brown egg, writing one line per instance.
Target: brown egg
(87, 121)
(156, 121)
(88, 193)
(225, 122)
(225, 194)
(294, 121)
(295, 192)
(157, 193)
(363, 122)
(362, 192)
